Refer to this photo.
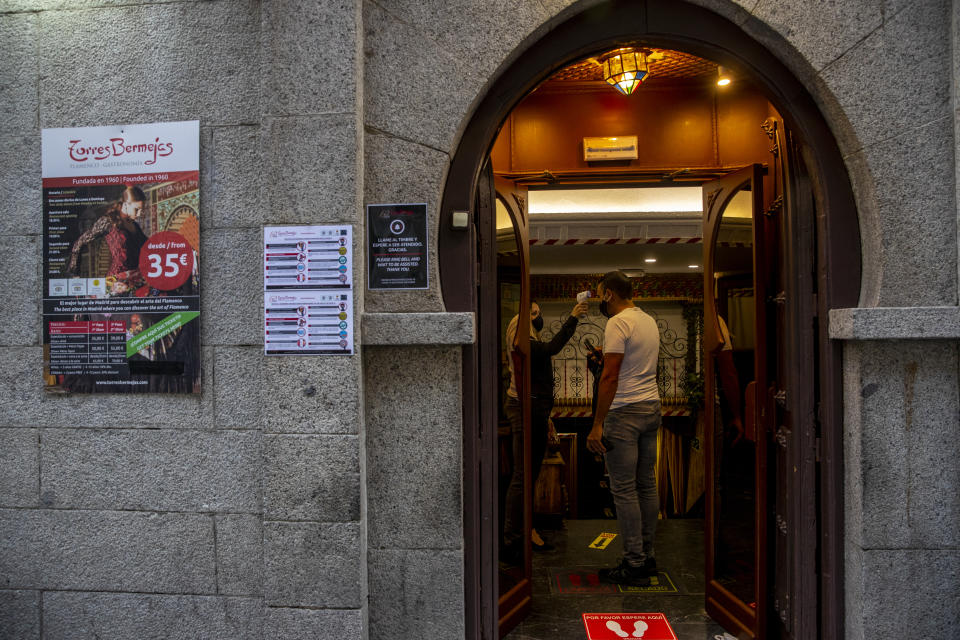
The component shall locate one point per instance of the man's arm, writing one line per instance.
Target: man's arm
(609, 380)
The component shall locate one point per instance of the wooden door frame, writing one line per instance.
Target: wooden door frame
(588, 28)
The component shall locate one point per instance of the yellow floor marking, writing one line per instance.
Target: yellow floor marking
(603, 541)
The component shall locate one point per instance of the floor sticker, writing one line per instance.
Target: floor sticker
(603, 541)
(660, 583)
(613, 626)
(586, 580)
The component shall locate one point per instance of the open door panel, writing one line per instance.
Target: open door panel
(735, 358)
(516, 577)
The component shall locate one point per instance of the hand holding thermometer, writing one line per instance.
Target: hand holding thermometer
(582, 297)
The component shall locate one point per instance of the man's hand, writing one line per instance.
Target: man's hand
(552, 436)
(595, 362)
(606, 391)
(594, 443)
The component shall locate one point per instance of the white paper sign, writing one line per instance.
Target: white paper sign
(307, 257)
(308, 322)
(307, 283)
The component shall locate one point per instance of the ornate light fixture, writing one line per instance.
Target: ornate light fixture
(625, 69)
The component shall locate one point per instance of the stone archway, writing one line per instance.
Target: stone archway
(679, 25)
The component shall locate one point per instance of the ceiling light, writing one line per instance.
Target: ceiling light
(723, 77)
(649, 259)
(624, 69)
(694, 266)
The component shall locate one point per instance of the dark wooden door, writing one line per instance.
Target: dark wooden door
(480, 481)
(516, 582)
(791, 397)
(776, 268)
(736, 358)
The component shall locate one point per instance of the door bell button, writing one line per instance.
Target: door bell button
(460, 219)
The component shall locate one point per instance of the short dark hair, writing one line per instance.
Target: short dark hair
(618, 282)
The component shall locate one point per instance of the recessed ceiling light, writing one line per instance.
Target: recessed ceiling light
(694, 266)
(649, 259)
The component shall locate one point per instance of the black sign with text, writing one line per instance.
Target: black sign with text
(397, 246)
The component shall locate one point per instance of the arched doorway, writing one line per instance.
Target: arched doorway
(465, 280)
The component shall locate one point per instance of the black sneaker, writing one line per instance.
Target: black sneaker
(623, 573)
(649, 567)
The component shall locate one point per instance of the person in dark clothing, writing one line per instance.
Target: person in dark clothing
(541, 392)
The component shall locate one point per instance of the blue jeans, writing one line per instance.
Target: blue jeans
(632, 430)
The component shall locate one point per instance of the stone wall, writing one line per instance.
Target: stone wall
(281, 504)
(236, 514)
(902, 444)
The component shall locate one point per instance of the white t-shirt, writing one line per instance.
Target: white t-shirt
(634, 334)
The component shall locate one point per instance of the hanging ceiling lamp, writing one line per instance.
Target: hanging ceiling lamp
(624, 69)
(723, 77)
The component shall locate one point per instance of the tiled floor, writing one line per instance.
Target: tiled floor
(679, 552)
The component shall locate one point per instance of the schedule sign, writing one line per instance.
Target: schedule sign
(121, 246)
(397, 246)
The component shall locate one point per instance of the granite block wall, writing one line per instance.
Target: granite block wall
(318, 497)
(235, 513)
(309, 408)
(414, 492)
(903, 508)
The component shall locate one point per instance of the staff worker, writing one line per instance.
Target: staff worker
(541, 403)
(625, 426)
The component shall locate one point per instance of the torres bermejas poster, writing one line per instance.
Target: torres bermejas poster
(121, 289)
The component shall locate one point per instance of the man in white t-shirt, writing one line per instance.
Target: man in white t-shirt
(625, 426)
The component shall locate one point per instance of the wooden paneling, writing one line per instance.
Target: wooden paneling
(681, 126)
(740, 111)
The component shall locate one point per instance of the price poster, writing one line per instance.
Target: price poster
(308, 323)
(307, 284)
(307, 257)
(121, 247)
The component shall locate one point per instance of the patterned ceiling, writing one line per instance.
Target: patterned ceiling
(674, 65)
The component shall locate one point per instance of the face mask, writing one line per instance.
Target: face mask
(604, 310)
(537, 323)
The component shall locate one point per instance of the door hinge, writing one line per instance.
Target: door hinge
(782, 436)
(780, 298)
(775, 207)
(785, 614)
(781, 524)
(781, 397)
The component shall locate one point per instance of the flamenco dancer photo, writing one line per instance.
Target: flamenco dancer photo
(120, 227)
